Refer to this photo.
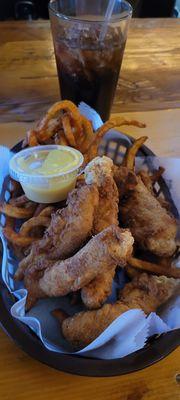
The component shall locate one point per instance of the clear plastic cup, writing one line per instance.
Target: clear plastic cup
(89, 49)
(33, 168)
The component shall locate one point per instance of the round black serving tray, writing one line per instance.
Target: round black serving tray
(156, 348)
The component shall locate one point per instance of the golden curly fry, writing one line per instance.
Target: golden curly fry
(92, 151)
(112, 123)
(64, 105)
(120, 121)
(33, 223)
(39, 209)
(32, 138)
(88, 135)
(129, 158)
(154, 268)
(62, 140)
(17, 212)
(9, 222)
(19, 201)
(15, 188)
(63, 124)
(46, 212)
(68, 130)
(16, 238)
(76, 123)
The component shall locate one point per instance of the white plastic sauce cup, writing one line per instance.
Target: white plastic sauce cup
(41, 186)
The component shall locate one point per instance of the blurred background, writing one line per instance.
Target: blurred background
(34, 9)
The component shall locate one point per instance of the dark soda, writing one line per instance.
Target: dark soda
(89, 74)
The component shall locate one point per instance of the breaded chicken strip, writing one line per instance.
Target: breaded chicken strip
(102, 253)
(69, 228)
(151, 225)
(125, 179)
(100, 172)
(85, 326)
(148, 292)
(96, 292)
(153, 228)
(144, 292)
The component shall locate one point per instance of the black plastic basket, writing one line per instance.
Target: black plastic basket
(156, 349)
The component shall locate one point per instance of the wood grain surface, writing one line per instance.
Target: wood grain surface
(149, 80)
(149, 90)
(22, 378)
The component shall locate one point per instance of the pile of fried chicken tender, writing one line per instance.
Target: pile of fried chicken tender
(111, 215)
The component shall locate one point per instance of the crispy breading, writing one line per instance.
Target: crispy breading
(85, 326)
(100, 172)
(148, 292)
(151, 225)
(69, 228)
(96, 292)
(153, 228)
(149, 180)
(125, 179)
(145, 292)
(146, 179)
(103, 252)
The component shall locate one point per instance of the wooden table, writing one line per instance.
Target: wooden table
(149, 89)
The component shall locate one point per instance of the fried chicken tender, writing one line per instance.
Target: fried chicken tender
(100, 172)
(96, 292)
(153, 228)
(146, 179)
(85, 326)
(69, 228)
(148, 292)
(102, 253)
(144, 292)
(150, 180)
(125, 179)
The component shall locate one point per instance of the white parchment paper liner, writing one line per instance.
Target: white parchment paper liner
(127, 333)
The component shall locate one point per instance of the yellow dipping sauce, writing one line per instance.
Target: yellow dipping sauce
(46, 173)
